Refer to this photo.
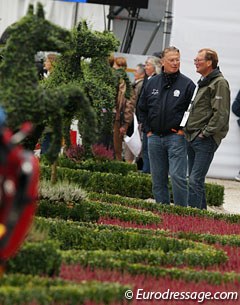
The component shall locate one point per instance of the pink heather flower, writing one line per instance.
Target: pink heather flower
(100, 152)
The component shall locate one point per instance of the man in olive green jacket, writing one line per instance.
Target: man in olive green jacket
(206, 123)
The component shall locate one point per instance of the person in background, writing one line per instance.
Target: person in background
(124, 105)
(139, 75)
(236, 111)
(152, 68)
(207, 123)
(49, 64)
(162, 104)
(48, 67)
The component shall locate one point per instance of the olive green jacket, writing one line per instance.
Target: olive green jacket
(210, 110)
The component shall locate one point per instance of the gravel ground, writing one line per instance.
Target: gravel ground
(231, 196)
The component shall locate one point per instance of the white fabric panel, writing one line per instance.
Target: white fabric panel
(61, 13)
(214, 24)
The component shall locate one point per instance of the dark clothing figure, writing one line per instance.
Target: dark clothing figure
(164, 100)
(207, 125)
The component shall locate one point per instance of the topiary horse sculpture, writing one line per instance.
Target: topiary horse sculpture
(86, 63)
(21, 94)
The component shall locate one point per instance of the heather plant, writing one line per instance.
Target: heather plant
(61, 191)
(102, 153)
(75, 153)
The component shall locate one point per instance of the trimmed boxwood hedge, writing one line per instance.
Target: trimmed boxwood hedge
(37, 258)
(203, 256)
(73, 235)
(90, 211)
(114, 167)
(27, 289)
(83, 211)
(131, 185)
(162, 208)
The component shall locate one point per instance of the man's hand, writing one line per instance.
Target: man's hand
(122, 131)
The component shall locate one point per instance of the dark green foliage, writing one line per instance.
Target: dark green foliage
(115, 167)
(68, 93)
(71, 235)
(27, 289)
(85, 211)
(203, 256)
(88, 211)
(19, 92)
(132, 185)
(94, 44)
(100, 85)
(162, 208)
(94, 75)
(42, 258)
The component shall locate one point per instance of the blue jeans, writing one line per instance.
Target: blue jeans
(46, 142)
(168, 155)
(145, 156)
(200, 155)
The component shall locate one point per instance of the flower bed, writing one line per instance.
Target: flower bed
(130, 244)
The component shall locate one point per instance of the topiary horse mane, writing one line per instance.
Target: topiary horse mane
(21, 94)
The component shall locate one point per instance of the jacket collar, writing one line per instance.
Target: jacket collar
(207, 80)
(170, 79)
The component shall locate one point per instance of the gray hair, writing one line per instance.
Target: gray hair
(141, 68)
(156, 62)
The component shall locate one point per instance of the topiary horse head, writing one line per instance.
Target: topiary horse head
(21, 94)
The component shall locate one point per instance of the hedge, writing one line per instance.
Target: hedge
(72, 235)
(203, 256)
(83, 211)
(25, 289)
(37, 258)
(115, 167)
(131, 185)
(162, 208)
(31, 259)
(90, 211)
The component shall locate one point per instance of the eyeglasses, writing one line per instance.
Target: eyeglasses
(196, 61)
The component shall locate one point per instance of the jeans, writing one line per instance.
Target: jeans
(200, 155)
(46, 143)
(145, 156)
(168, 155)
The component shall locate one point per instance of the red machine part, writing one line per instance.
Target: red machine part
(19, 176)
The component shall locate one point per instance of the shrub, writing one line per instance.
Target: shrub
(131, 185)
(61, 191)
(75, 153)
(42, 258)
(115, 167)
(84, 211)
(101, 153)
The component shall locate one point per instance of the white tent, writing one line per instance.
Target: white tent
(64, 14)
(214, 24)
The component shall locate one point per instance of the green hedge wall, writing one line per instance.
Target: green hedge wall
(26, 289)
(37, 258)
(114, 167)
(90, 211)
(131, 185)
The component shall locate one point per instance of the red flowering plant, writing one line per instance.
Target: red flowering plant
(102, 153)
(75, 153)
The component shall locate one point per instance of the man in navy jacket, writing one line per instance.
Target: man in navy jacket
(161, 107)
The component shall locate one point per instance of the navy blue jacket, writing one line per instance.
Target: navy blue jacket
(163, 101)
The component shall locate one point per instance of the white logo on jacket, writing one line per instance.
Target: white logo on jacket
(155, 91)
(176, 93)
